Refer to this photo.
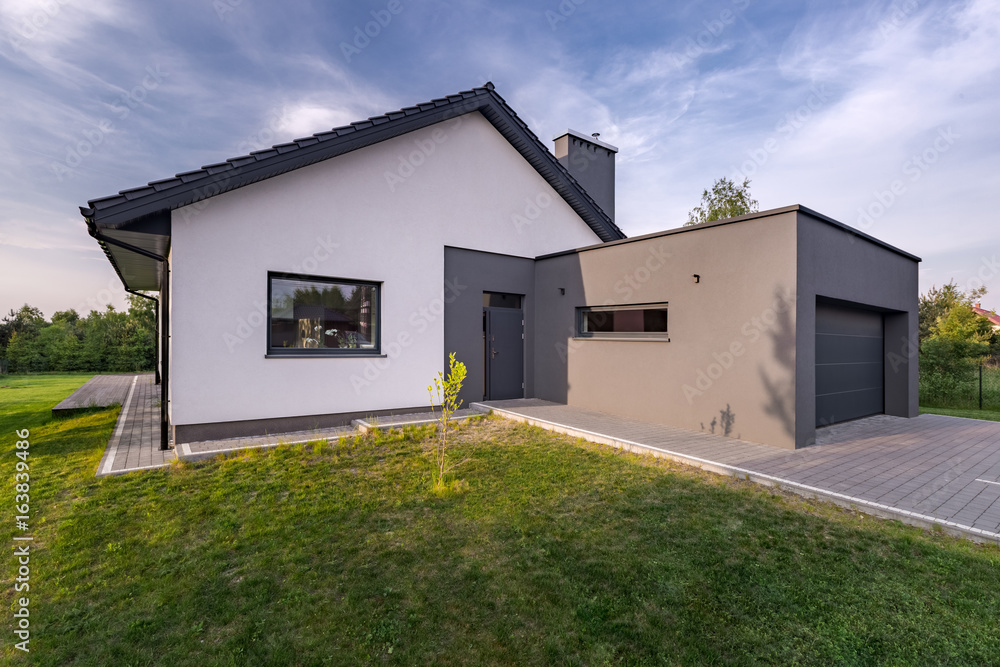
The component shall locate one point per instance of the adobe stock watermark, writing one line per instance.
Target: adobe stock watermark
(91, 139)
(224, 7)
(695, 46)
(913, 168)
(751, 331)
(246, 325)
(363, 36)
(628, 286)
(216, 184)
(989, 267)
(784, 129)
(531, 211)
(419, 322)
(896, 16)
(266, 135)
(424, 148)
(563, 11)
(102, 299)
(36, 23)
(410, 162)
(909, 348)
(22, 551)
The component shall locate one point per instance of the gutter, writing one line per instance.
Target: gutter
(161, 380)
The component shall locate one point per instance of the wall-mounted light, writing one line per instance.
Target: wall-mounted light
(697, 278)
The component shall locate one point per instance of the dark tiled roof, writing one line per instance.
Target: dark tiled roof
(117, 211)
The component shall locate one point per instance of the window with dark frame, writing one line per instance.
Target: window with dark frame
(642, 322)
(312, 315)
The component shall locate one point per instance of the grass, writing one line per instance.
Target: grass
(557, 552)
(988, 415)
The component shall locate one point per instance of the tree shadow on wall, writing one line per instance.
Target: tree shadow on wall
(724, 421)
(779, 387)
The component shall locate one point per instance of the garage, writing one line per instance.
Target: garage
(849, 363)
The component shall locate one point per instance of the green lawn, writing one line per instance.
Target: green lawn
(559, 552)
(989, 415)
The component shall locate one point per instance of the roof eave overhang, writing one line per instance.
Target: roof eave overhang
(136, 251)
(186, 189)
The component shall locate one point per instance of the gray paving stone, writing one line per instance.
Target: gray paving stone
(138, 445)
(926, 465)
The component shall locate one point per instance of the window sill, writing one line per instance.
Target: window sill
(373, 355)
(636, 339)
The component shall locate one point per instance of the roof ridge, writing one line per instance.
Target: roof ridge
(189, 187)
(183, 177)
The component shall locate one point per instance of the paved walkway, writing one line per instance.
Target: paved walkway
(923, 471)
(135, 444)
(194, 451)
(100, 391)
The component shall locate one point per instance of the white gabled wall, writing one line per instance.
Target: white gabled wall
(381, 213)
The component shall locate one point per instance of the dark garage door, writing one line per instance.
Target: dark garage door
(848, 363)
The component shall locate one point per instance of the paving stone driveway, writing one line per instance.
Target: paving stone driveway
(929, 469)
(944, 467)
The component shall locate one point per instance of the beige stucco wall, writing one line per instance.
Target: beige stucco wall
(732, 335)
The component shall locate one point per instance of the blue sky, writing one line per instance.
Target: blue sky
(883, 115)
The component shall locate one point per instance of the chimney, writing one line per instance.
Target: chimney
(979, 305)
(592, 164)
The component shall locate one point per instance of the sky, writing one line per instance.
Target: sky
(882, 115)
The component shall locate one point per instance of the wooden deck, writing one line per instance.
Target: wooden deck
(100, 391)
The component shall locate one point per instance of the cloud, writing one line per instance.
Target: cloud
(903, 78)
(27, 226)
(686, 96)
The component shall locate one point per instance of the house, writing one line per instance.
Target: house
(328, 278)
(991, 315)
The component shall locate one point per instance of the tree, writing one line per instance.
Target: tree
(725, 200)
(937, 303)
(140, 333)
(445, 391)
(958, 341)
(26, 321)
(22, 353)
(102, 342)
(954, 339)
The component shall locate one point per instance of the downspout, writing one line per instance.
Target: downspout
(162, 380)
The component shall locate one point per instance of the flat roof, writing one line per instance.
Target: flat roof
(741, 218)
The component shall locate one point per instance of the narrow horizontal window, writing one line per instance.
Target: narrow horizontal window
(501, 300)
(648, 321)
(322, 316)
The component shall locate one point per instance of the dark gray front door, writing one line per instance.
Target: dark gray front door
(504, 350)
(849, 363)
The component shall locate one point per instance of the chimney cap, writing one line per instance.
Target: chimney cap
(584, 137)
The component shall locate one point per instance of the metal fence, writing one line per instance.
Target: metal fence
(979, 389)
